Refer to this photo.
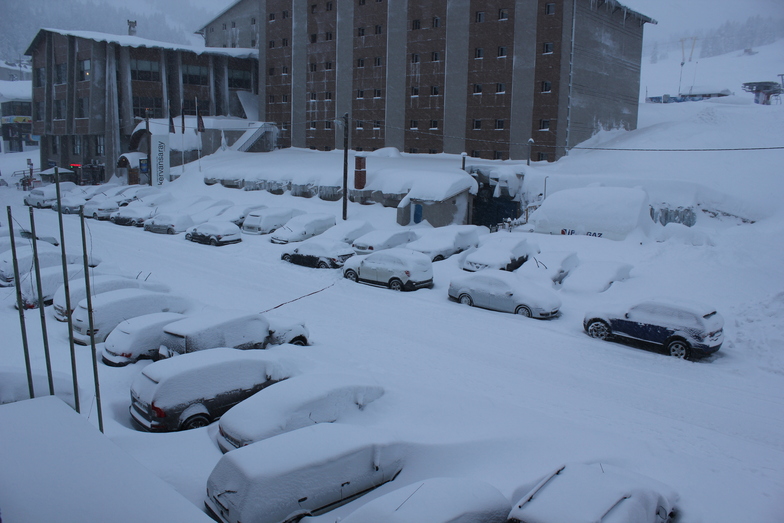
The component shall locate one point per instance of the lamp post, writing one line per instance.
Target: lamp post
(464, 157)
(544, 195)
(530, 143)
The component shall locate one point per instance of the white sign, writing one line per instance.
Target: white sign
(160, 159)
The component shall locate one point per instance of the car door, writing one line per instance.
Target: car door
(643, 322)
(369, 267)
(482, 292)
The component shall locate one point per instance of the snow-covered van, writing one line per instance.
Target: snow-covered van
(194, 390)
(98, 285)
(221, 328)
(306, 472)
(137, 338)
(111, 308)
(268, 220)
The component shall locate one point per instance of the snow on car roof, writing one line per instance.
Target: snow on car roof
(163, 369)
(210, 319)
(318, 246)
(220, 226)
(120, 294)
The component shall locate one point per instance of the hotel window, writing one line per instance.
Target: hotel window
(328, 95)
(195, 75)
(272, 17)
(145, 70)
(313, 8)
(272, 44)
(501, 51)
(284, 98)
(360, 31)
(60, 74)
(435, 90)
(544, 125)
(414, 90)
(376, 124)
(313, 39)
(434, 124)
(479, 52)
(313, 125)
(413, 124)
(543, 157)
(435, 56)
(76, 145)
(376, 93)
(39, 111)
(476, 154)
(329, 6)
(40, 77)
(252, 21)
(284, 14)
(378, 29)
(360, 124)
(416, 24)
(360, 62)
(503, 14)
(547, 48)
(84, 70)
(81, 107)
(233, 25)
(239, 79)
(59, 109)
(498, 155)
(414, 58)
(313, 97)
(142, 103)
(55, 144)
(546, 87)
(328, 124)
(500, 88)
(328, 66)
(549, 9)
(499, 125)
(436, 22)
(477, 125)
(328, 36)
(284, 70)
(253, 42)
(477, 88)
(360, 93)
(480, 16)
(284, 42)
(100, 145)
(272, 98)
(377, 61)
(361, 2)
(313, 67)
(271, 71)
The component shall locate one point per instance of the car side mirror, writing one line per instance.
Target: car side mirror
(626, 315)
(509, 293)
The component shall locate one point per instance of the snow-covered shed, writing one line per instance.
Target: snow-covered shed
(58, 467)
(440, 198)
(603, 212)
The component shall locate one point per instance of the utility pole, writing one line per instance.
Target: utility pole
(149, 143)
(345, 167)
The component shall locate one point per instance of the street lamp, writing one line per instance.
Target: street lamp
(530, 143)
(464, 157)
(544, 195)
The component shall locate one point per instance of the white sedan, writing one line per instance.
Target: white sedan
(397, 268)
(505, 292)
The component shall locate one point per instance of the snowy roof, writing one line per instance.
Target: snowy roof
(135, 41)
(21, 91)
(58, 467)
(701, 90)
(439, 186)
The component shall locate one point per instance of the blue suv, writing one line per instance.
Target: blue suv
(686, 331)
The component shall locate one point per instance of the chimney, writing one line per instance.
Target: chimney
(131, 27)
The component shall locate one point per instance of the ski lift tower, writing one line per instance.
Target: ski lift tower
(763, 91)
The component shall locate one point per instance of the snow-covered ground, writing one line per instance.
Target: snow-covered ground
(493, 396)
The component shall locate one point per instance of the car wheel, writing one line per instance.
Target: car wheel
(147, 228)
(194, 422)
(522, 310)
(679, 349)
(95, 216)
(169, 231)
(39, 205)
(299, 341)
(598, 329)
(322, 265)
(438, 258)
(351, 275)
(395, 284)
(189, 237)
(465, 299)
(286, 258)
(213, 242)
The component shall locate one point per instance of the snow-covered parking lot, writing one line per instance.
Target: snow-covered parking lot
(492, 396)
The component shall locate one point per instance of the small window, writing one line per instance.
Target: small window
(313, 38)
(414, 90)
(224, 27)
(435, 90)
(313, 8)
(100, 145)
(312, 125)
(284, 42)
(479, 52)
(543, 157)
(503, 14)
(377, 61)
(272, 17)
(313, 67)
(546, 87)
(284, 98)
(377, 30)
(435, 56)
(436, 22)
(544, 125)
(480, 16)
(82, 105)
(284, 70)
(360, 124)
(499, 125)
(549, 9)
(376, 124)
(329, 6)
(376, 93)
(76, 145)
(253, 42)
(272, 44)
(547, 48)
(477, 125)
(476, 154)
(501, 51)
(328, 36)
(84, 70)
(434, 124)
(361, 2)
(477, 88)
(272, 98)
(413, 150)
(360, 31)
(360, 62)
(284, 14)
(313, 97)
(328, 66)
(328, 95)
(271, 71)
(416, 24)
(413, 124)
(233, 25)
(498, 155)
(252, 21)
(328, 124)
(432, 151)
(500, 88)
(414, 58)
(360, 93)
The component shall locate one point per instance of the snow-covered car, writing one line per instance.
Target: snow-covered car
(214, 233)
(397, 268)
(237, 213)
(138, 211)
(303, 227)
(102, 205)
(48, 256)
(136, 193)
(194, 390)
(112, 307)
(442, 242)
(500, 250)
(436, 500)
(305, 472)
(321, 253)
(137, 338)
(550, 266)
(577, 492)
(505, 292)
(683, 329)
(228, 328)
(168, 223)
(51, 280)
(42, 197)
(98, 284)
(268, 220)
(348, 231)
(298, 402)
(381, 239)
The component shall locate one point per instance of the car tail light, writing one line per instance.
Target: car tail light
(370, 248)
(126, 355)
(407, 273)
(219, 236)
(159, 413)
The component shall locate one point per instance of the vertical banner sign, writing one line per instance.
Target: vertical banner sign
(160, 159)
